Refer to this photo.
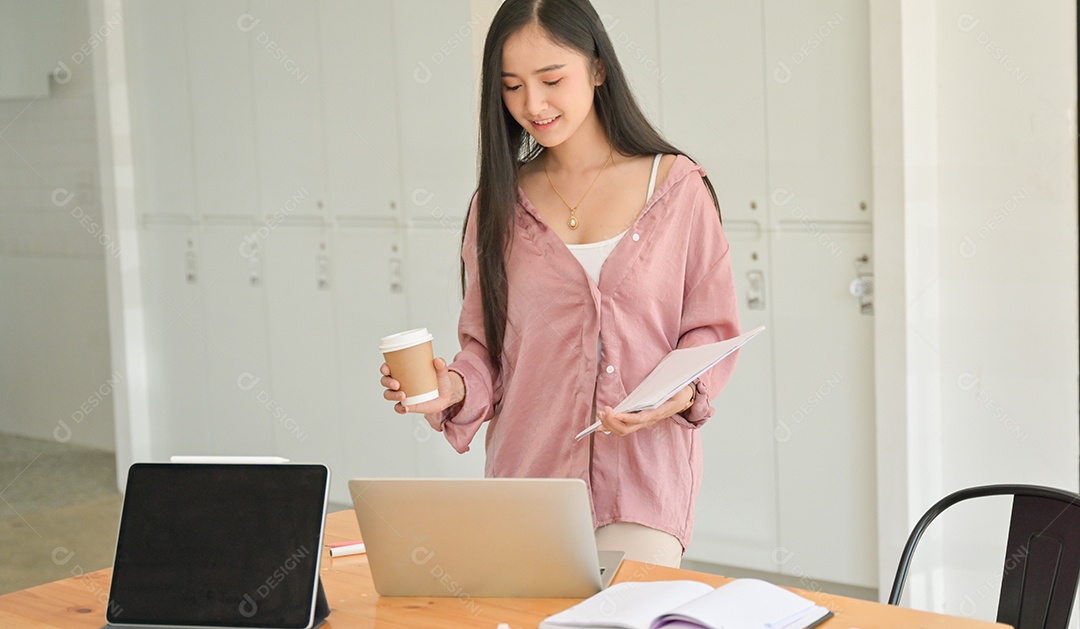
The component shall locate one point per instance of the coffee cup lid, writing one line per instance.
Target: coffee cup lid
(403, 340)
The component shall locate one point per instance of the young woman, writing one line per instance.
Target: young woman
(592, 248)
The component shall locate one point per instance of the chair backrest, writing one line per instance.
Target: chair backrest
(1042, 559)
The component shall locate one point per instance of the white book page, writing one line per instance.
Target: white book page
(744, 604)
(628, 605)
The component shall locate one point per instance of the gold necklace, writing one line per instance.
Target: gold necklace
(572, 222)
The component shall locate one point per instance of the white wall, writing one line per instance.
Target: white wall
(55, 376)
(983, 224)
(1008, 252)
(975, 239)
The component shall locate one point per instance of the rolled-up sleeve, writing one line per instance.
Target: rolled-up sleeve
(461, 422)
(710, 311)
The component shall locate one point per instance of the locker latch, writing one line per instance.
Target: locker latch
(755, 291)
(322, 271)
(396, 286)
(862, 287)
(191, 263)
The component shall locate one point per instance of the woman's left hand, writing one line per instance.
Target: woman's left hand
(623, 424)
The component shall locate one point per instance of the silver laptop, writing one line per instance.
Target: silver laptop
(492, 537)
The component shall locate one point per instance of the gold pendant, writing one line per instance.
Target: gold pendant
(572, 223)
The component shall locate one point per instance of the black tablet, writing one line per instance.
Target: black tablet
(220, 545)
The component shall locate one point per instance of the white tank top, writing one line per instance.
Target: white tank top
(592, 255)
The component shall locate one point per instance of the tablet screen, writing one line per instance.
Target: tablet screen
(219, 545)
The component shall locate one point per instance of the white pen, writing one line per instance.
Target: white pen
(590, 430)
(251, 460)
(344, 549)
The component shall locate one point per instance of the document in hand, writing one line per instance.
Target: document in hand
(740, 604)
(676, 370)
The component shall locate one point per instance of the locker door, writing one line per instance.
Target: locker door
(303, 387)
(437, 105)
(736, 510)
(817, 77)
(359, 109)
(434, 288)
(825, 406)
(223, 106)
(631, 25)
(173, 284)
(237, 366)
(288, 106)
(374, 440)
(160, 112)
(718, 116)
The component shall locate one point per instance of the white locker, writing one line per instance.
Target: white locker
(433, 286)
(631, 25)
(736, 521)
(817, 78)
(823, 338)
(363, 169)
(373, 440)
(243, 419)
(158, 88)
(303, 347)
(173, 283)
(437, 95)
(222, 106)
(718, 117)
(288, 107)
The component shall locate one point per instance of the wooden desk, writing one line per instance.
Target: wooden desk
(80, 601)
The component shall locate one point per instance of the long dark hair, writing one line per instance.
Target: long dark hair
(505, 145)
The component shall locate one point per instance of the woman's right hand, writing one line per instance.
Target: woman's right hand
(451, 390)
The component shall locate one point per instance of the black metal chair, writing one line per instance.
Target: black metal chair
(1042, 559)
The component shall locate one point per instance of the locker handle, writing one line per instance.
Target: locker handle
(396, 283)
(755, 293)
(322, 272)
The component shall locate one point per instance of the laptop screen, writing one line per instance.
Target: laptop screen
(219, 545)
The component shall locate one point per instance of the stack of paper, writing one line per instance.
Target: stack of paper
(676, 370)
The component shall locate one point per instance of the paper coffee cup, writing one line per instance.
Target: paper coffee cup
(409, 356)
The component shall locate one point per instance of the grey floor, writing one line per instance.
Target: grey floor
(803, 583)
(60, 508)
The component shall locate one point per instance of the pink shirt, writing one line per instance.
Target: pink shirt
(667, 284)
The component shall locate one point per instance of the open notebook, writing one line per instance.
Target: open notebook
(739, 604)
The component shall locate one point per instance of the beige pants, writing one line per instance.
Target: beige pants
(640, 543)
